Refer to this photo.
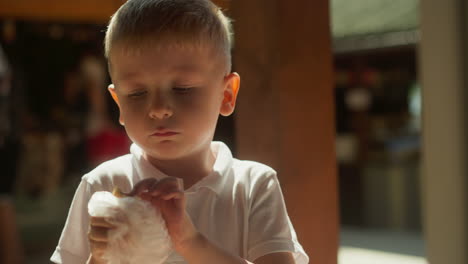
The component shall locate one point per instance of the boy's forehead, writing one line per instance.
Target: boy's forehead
(171, 53)
(162, 43)
(165, 46)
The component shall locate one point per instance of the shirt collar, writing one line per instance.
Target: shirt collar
(143, 167)
(214, 181)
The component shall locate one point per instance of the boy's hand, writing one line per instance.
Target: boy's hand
(98, 239)
(169, 198)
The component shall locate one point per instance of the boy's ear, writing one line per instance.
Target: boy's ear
(111, 89)
(231, 89)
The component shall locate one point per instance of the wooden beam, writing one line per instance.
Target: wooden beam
(84, 11)
(87, 11)
(285, 113)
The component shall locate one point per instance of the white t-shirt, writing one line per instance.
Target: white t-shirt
(239, 207)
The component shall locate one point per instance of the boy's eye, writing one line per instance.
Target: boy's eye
(137, 94)
(182, 90)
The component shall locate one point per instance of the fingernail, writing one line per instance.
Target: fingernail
(180, 184)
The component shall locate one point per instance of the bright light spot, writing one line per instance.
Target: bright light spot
(352, 255)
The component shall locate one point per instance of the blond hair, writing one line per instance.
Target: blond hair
(139, 22)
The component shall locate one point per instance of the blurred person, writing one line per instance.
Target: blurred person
(170, 65)
(32, 160)
(72, 116)
(104, 140)
(90, 134)
(5, 86)
(41, 159)
(8, 139)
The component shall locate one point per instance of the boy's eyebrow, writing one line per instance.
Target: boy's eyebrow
(186, 68)
(128, 76)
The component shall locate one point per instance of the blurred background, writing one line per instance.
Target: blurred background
(57, 122)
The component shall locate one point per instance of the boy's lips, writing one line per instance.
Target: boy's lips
(164, 133)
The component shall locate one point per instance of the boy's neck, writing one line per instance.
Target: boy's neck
(190, 169)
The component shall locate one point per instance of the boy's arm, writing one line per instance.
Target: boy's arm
(276, 258)
(201, 250)
(271, 237)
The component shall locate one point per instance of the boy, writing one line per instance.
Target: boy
(170, 65)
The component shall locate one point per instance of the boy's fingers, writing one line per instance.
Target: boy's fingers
(155, 187)
(155, 193)
(168, 190)
(173, 195)
(98, 234)
(100, 222)
(165, 185)
(143, 186)
(166, 182)
(98, 248)
(145, 196)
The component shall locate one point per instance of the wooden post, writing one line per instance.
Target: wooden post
(444, 61)
(285, 112)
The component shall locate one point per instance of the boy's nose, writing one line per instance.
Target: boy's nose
(160, 109)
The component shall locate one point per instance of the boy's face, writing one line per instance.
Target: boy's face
(170, 97)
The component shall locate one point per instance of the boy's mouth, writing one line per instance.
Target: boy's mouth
(164, 133)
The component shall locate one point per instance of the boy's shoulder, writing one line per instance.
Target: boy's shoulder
(252, 174)
(251, 168)
(243, 172)
(248, 179)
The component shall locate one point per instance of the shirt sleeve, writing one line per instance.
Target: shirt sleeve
(270, 229)
(73, 245)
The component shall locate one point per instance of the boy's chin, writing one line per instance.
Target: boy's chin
(170, 151)
(165, 152)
